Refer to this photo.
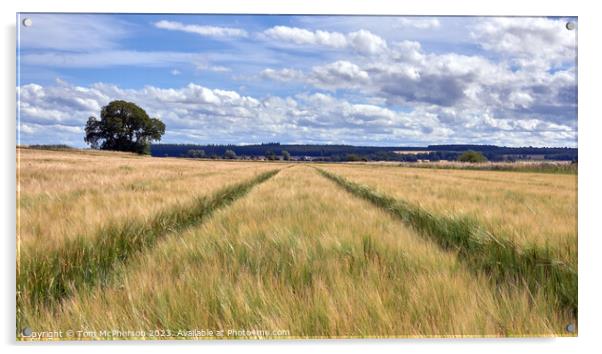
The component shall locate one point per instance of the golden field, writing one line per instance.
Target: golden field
(115, 241)
(527, 208)
(66, 194)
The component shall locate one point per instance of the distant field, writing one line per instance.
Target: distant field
(533, 166)
(117, 241)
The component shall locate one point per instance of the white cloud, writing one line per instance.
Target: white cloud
(208, 31)
(213, 68)
(336, 75)
(303, 36)
(528, 41)
(378, 89)
(459, 89)
(361, 41)
(213, 115)
(407, 52)
(282, 75)
(366, 42)
(199, 114)
(422, 23)
(520, 99)
(340, 74)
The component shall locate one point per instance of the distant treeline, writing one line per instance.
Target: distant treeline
(361, 153)
(50, 147)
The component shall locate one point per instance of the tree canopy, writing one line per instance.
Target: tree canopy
(196, 153)
(472, 156)
(230, 154)
(123, 126)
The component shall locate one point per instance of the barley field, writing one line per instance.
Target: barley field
(110, 241)
(527, 208)
(66, 194)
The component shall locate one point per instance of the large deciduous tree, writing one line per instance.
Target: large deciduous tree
(123, 126)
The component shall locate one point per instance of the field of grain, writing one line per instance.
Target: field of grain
(291, 250)
(527, 208)
(69, 194)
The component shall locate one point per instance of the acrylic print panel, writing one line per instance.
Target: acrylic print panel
(274, 177)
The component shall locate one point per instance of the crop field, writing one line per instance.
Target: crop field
(530, 209)
(115, 241)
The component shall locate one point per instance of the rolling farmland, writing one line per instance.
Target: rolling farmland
(117, 241)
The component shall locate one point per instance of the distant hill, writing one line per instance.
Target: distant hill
(319, 152)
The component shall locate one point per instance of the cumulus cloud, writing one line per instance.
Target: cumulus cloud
(361, 41)
(208, 31)
(440, 80)
(338, 74)
(304, 36)
(458, 91)
(203, 115)
(61, 104)
(366, 42)
(528, 41)
(214, 115)
(516, 85)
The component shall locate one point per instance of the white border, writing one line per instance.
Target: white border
(589, 171)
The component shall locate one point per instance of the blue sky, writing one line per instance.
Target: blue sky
(303, 79)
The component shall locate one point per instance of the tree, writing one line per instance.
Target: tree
(472, 157)
(123, 126)
(230, 154)
(353, 157)
(196, 153)
(270, 154)
(285, 155)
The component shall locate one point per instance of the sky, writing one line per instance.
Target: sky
(360, 80)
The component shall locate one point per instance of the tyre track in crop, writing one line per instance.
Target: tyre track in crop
(501, 260)
(45, 278)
